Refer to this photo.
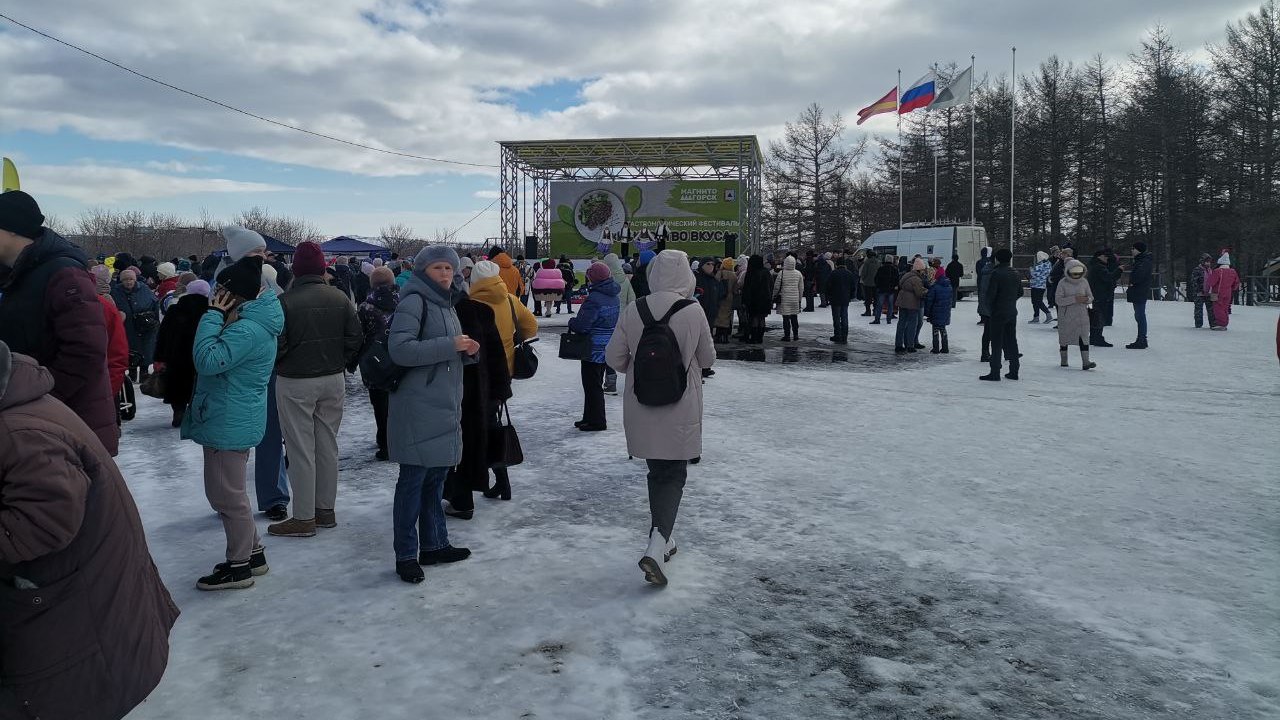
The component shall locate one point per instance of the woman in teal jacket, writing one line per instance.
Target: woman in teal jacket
(235, 350)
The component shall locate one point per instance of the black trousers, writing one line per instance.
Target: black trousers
(868, 298)
(380, 399)
(791, 326)
(666, 489)
(593, 393)
(1004, 340)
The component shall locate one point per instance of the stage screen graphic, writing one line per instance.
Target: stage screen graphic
(590, 218)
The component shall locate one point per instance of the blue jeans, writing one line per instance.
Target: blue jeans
(417, 514)
(1140, 314)
(908, 324)
(840, 320)
(884, 304)
(270, 479)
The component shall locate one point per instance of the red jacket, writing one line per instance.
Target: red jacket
(117, 344)
(166, 286)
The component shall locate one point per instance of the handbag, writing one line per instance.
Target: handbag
(153, 385)
(575, 346)
(504, 443)
(525, 359)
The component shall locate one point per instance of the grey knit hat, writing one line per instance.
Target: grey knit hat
(241, 242)
(435, 253)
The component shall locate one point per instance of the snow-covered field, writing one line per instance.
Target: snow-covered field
(876, 538)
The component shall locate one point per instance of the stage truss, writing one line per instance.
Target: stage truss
(734, 157)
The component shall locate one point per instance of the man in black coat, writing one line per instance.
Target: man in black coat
(1003, 291)
(839, 293)
(1140, 280)
(955, 271)
(1104, 273)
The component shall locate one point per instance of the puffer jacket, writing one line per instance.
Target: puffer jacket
(509, 273)
(91, 640)
(937, 303)
(886, 277)
(321, 331)
(867, 273)
(1040, 274)
(133, 303)
(1073, 315)
(627, 294)
(493, 292)
(911, 291)
(598, 316)
(233, 362)
(729, 278)
(788, 287)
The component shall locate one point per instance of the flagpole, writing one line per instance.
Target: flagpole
(973, 135)
(1013, 129)
(898, 112)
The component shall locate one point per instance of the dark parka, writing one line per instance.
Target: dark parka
(92, 639)
(1002, 293)
(132, 303)
(1140, 277)
(321, 331)
(839, 287)
(174, 344)
(49, 309)
(886, 277)
(757, 288)
(709, 290)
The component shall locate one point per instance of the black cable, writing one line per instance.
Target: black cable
(473, 219)
(238, 110)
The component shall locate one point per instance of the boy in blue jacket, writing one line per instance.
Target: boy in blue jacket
(937, 310)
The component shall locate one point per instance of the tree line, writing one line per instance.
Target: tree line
(1157, 148)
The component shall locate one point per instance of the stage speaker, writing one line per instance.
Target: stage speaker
(731, 245)
(530, 247)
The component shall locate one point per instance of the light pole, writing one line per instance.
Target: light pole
(935, 187)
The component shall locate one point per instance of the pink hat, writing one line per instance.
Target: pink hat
(939, 275)
(918, 264)
(598, 272)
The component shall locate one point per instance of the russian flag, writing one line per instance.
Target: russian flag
(919, 95)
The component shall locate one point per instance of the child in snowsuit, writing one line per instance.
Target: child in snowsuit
(937, 309)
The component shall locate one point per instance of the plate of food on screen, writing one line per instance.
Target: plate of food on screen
(596, 212)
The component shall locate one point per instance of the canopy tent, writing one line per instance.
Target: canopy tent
(273, 245)
(344, 245)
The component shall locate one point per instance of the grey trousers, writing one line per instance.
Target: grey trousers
(310, 413)
(666, 488)
(224, 486)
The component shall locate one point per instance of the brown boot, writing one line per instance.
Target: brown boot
(326, 518)
(293, 527)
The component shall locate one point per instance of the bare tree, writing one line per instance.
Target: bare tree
(400, 239)
(286, 229)
(806, 172)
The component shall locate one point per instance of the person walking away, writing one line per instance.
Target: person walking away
(626, 296)
(511, 317)
(640, 278)
(141, 321)
(1073, 297)
(49, 310)
(570, 282)
(1039, 280)
(662, 344)
(598, 318)
(728, 277)
(1140, 281)
(938, 303)
(1003, 291)
(1223, 284)
(321, 337)
(955, 271)
(867, 275)
(839, 293)
(86, 620)
(757, 298)
(886, 285)
(233, 354)
(360, 283)
(982, 269)
(708, 291)
(1198, 292)
(507, 270)
(424, 419)
(788, 290)
(1103, 274)
(809, 269)
(548, 286)
(911, 291)
(824, 267)
(117, 340)
(374, 314)
(486, 385)
(175, 343)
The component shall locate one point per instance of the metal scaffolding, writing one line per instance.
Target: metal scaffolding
(734, 157)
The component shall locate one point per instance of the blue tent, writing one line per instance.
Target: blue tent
(343, 245)
(273, 245)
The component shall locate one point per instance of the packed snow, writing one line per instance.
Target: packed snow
(867, 536)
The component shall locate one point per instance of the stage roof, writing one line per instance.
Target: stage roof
(637, 152)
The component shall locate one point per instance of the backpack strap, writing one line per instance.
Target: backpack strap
(515, 324)
(676, 307)
(646, 315)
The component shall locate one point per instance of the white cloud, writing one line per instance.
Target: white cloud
(179, 167)
(486, 194)
(100, 184)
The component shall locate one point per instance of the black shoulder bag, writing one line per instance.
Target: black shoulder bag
(526, 360)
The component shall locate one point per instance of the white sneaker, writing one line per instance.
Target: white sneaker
(655, 558)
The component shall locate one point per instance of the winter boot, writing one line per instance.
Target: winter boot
(611, 385)
(1034, 320)
(993, 376)
(446, 554)
(656, 557)
(1084, 360)
(227, 576)
(1139, 344)
(410, 571)
(1062, 353)
(1048, 318)
(277, 513)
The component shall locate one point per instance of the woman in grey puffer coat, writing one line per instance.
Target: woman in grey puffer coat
(1073, 297)
(424, 431)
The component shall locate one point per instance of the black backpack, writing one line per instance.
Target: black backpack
(377, 369)
(658, 373)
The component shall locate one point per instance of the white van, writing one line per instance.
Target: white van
(930, 241)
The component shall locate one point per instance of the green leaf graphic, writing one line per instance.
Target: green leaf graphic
(632, 200)
(565, 213)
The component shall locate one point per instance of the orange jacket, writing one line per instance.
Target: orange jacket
(509, 273)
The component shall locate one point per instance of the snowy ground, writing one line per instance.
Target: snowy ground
(874, 537)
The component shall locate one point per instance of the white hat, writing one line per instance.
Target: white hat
(1225, 259)
(270, 279)
(485, 269)
(366, 268)
(166, 270)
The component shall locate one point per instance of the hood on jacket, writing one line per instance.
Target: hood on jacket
(503, 260)
(789, 263)
(22, 379)
(433, 293)
(1074, 263)
(266, 311)
(755, 262)
(728, 264)
(1042, 256)
(490, 290)
(669, 272)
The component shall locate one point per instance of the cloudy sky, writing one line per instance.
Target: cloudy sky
(450, 78)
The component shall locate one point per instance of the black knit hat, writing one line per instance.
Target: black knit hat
(20, 215)
(244, 278)
(1004, 256)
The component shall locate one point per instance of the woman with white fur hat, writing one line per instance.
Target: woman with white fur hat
(1073, 297)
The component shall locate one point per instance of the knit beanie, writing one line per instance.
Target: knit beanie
(940, 275)
(20, 215)
(433, 254)
(382, 276)
(308, 259)
(198, 287)
(270, 279)
(241, 242)
(548, 264)
(1225, 260)
(598, 272)
(1004, 256)
(1140, 246)
(183, 266)
(186, 279)
(1041, 256)
(243, 278)
(918, 265)
(166, 270)
(366, 268)
(101, 279)
(647, 256)
(485, 269)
